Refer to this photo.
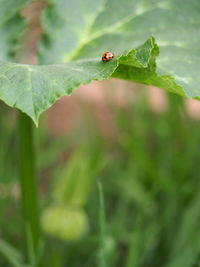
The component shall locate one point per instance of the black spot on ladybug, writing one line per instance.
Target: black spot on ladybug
(107, 56)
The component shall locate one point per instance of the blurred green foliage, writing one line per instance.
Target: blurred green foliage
(150, 175)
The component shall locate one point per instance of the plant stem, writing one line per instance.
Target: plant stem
(28, 180)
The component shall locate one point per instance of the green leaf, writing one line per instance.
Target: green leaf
(33, 89)
(76, 30)
(76, 33)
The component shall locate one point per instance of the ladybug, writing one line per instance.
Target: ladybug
(107, 56)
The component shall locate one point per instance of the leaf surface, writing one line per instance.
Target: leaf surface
(34, 88)
(76, 33)
(76, 30)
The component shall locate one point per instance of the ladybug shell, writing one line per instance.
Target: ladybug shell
(107, 56)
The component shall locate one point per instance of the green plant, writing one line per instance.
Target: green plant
(156, 43)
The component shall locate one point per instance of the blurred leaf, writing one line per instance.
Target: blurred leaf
(143, 241)
(10, 33)
(12, 26)
(11, 254)
(186, 246)
(8, 8)
(64, 222)
(74, 179)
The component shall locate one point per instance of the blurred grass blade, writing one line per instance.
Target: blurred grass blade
(30, 245)
(133, 257)
(75, 178)
(186, 248)
(102, 227)
(34, 257)
(11, 254)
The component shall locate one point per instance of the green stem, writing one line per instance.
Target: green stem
(29, 194)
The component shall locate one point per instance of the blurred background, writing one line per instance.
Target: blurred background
(141, 143)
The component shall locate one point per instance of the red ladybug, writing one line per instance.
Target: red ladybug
(107, 56)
